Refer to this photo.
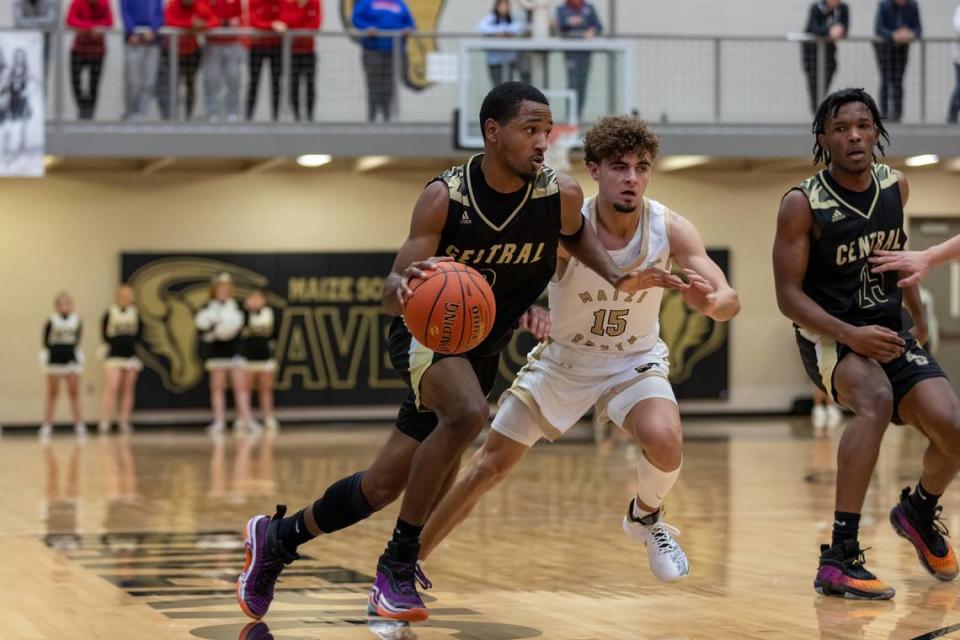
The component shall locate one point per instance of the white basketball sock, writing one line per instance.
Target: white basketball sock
(653, 485)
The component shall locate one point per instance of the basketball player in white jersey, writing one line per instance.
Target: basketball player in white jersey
(604, 347)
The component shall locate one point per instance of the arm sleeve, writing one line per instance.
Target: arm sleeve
(46, 334)
(595, 22)
(103, 326)
(360, 18)
(79, 333)
(409, 22)
(127, 16)
(205, 318)
(486, 25)
(880, 25)
(316, 18)
(257, 19)
(209, 17)
(561, 20)
(157, 19)
(816, 25)
(274, 325)
(845, 17)
(917, 26)
(230, 325)
(75, 18)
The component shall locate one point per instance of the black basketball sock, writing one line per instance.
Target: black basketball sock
(405, 545)
(846, 526)
(342, 505)
(923, 501)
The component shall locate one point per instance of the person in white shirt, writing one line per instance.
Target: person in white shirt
(602, 347)
(62, 359)
(219, 323)
(501, 23)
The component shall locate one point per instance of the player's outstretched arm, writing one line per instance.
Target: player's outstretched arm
(791, 253)
(709, 292)
(581, 241)
(418, 251)
(913, 266)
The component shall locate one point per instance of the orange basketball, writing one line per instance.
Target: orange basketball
(451, 310)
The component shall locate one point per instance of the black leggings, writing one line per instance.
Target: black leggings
(305, 68)
(257, 56)
(86, 98)
(187, 65)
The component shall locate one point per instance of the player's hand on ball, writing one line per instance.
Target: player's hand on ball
(699, 293)
(913, 264)
(416, 270)
(536, 320)
(880, 343)
(648, 279)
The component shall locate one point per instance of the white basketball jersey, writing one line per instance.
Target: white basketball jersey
(588, 314)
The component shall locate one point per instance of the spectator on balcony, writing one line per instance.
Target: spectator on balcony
(302, 15)
(955, 99)
(43, 15)
(378, 50)
(265, 16)
(223, 62)
(897, 25)
(88, 18)
(189, 17)
(578, 19)
(141, 55)
(829, 21)
(500, 23)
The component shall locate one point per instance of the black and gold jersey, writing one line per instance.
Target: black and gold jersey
(849, 226)
(120, 329)
(510, 238)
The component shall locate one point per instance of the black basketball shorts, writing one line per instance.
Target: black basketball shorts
(820, 356)
(411, 360)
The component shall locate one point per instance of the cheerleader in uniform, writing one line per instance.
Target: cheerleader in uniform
(61, 359)
(121, 331)
(257, 344)
(219, 323)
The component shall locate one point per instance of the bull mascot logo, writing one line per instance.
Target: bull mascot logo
(169, 293)
(690, 336)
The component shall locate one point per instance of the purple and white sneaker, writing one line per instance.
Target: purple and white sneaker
(394, 592)
(265, 560)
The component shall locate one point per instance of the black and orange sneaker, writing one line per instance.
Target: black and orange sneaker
(841, 573)
(927, 535)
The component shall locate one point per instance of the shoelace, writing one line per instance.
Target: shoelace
(403, 577)
(858, 560)
(421, 577)
(937, 524)
(662, 534)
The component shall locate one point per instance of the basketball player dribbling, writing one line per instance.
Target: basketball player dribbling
(503, 213)
(852, 343)
(604, 347)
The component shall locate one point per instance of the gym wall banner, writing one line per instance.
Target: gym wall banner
(22, 129)
(331, 343)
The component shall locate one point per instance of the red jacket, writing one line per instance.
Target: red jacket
(263, 13)
(87, 14)
(179, 15)
(230, 14)
(309, 16)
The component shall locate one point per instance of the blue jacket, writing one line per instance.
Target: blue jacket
(386, 15)
(573, 23)
(891, 16)
(141, 13)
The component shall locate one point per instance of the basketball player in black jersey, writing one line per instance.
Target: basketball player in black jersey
(503, 212)
(853, 344)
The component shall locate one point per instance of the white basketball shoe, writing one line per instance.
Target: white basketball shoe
(667, 560)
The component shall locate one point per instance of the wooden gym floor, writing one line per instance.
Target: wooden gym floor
(140, 537)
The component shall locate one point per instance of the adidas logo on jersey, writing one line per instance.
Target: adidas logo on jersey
(837, 216)
(465, 219)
